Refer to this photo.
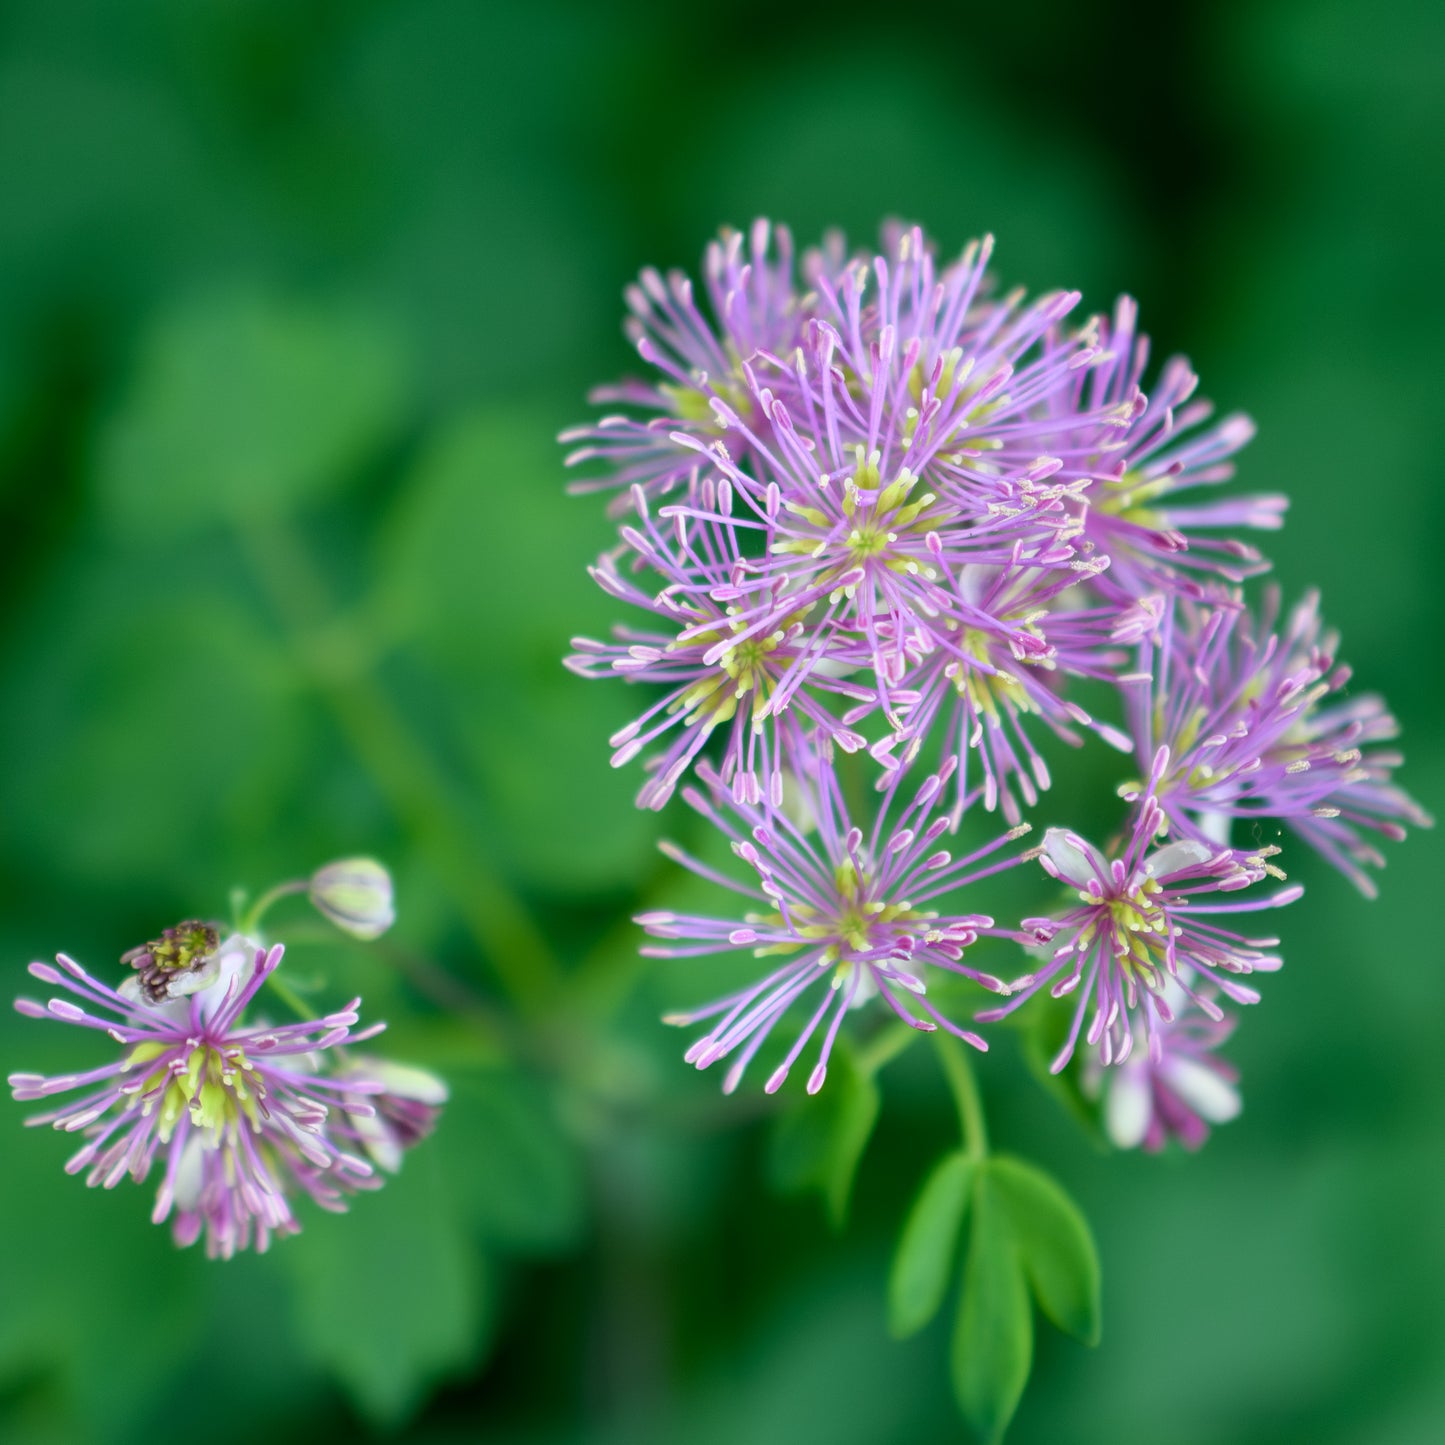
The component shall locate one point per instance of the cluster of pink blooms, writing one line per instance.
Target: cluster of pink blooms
(239, 1116)
(866, 505)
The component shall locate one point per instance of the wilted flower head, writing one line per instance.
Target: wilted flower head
(1138, 926)
(1148, 1101)
(356, 895)
(844, 909)
(238, 1115)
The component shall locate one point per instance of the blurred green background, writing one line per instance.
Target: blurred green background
(293, 300)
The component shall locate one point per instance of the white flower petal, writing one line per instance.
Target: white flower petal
(1076, 864)
(1128, 1106)
(1210, 1095)
(1176, 856)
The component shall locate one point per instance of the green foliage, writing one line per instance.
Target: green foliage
(1055, 1243)
(926, 1247)
(457, 573)
(515, 1175)
(392, 1297)
(993, 1340)
(1024, 1234)
(819, 1142)
(245, 406)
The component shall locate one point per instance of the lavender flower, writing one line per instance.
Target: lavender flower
(738, 649)
(757, 310)
(1242, 709)
(1137, 473)
(847, 909)
(239, 1115)
(1008, 665)
(1178, 1096)
(1138, 926)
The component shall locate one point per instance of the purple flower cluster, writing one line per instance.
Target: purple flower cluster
(870, 506)
(240, 1117)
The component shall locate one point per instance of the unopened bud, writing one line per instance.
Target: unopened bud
(355, 894)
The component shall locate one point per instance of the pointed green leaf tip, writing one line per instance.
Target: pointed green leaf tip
(993, 1341)
(820, 1141)
(1055, 1244)
(925, 1250)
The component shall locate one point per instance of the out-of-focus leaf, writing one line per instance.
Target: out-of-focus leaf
(146, 730)
(391, 1297)
(463, 561)
(993, 1341)
(1042, 1032)
(1055, 1244)
(818, 1143)
(516, 1175)
(922, 1265)
(245, 406)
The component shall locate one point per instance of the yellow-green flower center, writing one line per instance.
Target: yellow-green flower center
(1137, 929)
(857, 924)
(216, 1087)
(989, 691)
(1128, 498)
(744, 668)
(885, 524)
(694, 404)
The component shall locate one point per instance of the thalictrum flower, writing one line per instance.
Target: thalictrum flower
(1011, 664)
(738, 649)
(356, 895)
(1247, 714)
(238, 1115)
(1137, 473)
(396, 1107)
(852, 915)
(1148, 1101)
(756, 306)
(1143, 918)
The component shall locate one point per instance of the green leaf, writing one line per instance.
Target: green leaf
(819, 1142)
(453, 572)
(1055, 1244)
(515, 1174)
(993, 1341)
(1043, 1031)
(390, 1297)
(245, 405)
(925, 1250)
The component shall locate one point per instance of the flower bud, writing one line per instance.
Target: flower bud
(355, 894)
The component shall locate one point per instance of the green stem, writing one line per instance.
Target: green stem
(884, 1046)
(258, 910)
(290, 997)
(419, 794)
(959, 1072)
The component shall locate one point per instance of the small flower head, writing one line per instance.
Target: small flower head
(1148, 1101)
(356, 895)
(849, 913)
(696, 362)
(1139, 473)
(1259, 728)
(395, 1107)
(237, 1115)
(1140, 923)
